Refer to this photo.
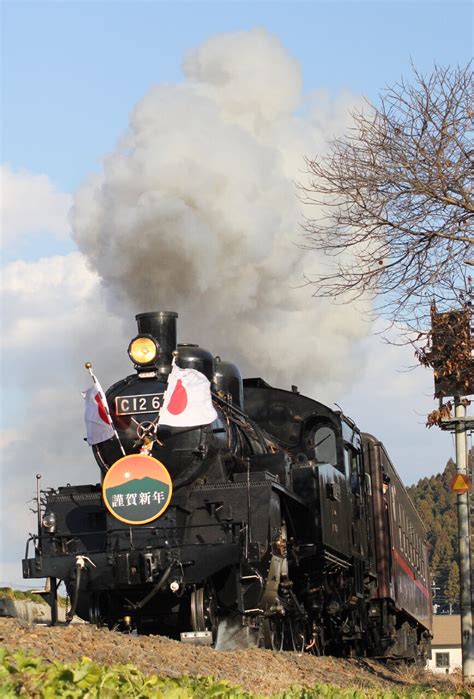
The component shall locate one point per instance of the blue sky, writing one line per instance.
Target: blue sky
(73, 70)
(72, 74)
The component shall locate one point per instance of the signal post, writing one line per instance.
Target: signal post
(461, 484)
(453, 364)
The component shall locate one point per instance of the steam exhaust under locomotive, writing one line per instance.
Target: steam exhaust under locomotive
(233, 513)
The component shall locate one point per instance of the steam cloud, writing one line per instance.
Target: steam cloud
(197, 211)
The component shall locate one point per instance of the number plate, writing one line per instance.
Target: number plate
(134, 405)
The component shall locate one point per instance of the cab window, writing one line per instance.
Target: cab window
(324, 445)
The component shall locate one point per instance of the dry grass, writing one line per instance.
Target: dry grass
(260, 671)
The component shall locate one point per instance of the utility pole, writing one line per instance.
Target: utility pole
(453, 364)
(460, 424)
(467, 636)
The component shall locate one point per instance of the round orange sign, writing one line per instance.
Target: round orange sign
(137, 489)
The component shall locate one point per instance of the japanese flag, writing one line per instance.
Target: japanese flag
(97, 416)
(187, 400)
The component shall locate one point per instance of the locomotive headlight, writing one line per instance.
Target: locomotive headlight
(143, 350)
(49, 522)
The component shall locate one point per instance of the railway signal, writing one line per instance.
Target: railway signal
(451, 353)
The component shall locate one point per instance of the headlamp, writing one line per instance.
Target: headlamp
(49, 522)
(143, 350)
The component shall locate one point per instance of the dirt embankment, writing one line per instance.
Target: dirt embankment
(261, 671)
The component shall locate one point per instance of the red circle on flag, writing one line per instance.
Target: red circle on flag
(101, 409)
(179, 399)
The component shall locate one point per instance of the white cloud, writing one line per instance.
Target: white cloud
(30, 204)
(53, 320)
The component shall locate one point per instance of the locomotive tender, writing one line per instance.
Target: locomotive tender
(286, 527)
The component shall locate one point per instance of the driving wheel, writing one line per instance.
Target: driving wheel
(204, 609)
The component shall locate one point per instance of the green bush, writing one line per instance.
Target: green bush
(25, 675)
(22, 674)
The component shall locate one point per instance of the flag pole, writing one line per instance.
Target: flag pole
(103, 400)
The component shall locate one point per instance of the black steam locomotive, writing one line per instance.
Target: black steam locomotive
(281, 526)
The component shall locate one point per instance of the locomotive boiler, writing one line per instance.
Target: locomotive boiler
(275, 522)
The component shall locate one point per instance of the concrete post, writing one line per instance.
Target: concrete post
(467, 638)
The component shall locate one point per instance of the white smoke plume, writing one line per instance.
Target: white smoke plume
(197, 211)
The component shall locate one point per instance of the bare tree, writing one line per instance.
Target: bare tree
(396, 200)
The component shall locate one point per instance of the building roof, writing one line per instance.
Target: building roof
(446, 630)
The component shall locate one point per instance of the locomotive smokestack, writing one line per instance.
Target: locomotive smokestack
(162, 326)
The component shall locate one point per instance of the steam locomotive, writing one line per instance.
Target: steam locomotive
(281, 525)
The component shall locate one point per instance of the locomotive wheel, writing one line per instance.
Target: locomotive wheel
(272, 633)
(97, 609)
(204, 609)
(95, 616)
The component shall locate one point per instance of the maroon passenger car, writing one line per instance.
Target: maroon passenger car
(400, 607)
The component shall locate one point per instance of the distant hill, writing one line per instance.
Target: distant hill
(436, 504)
